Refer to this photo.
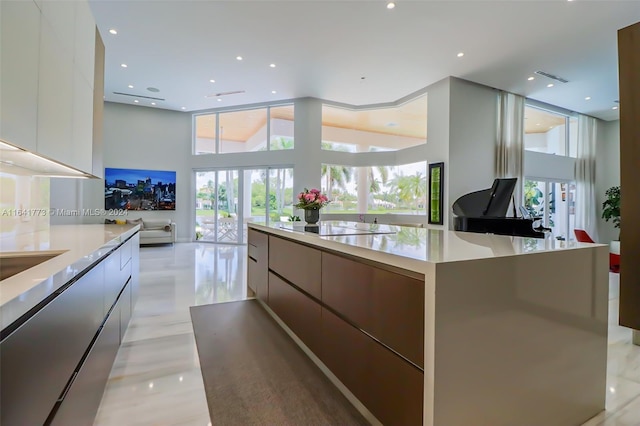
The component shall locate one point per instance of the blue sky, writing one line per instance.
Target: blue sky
(133, 175)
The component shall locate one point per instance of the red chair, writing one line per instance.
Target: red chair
(614, 263)
(614, 259)
(582, 236)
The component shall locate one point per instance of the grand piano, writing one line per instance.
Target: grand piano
(485, 212)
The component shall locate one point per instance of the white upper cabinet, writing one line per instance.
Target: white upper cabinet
(61, 16)
(55, 97)
(47, 77)
(85, 42)
(19, 57)
(82, 124)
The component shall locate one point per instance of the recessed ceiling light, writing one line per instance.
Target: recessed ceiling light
(550, 85)
(531, 78)
(153, 103)
(588, 98)
(615, 107)
(113, 31)
(272, 65)
(273, 91)
(136, 101)
(219, 100)
(460, 55)
(130, 86)
(239, 58)
(183, 108)
(123, 65)
(391, 5)
(212, 81)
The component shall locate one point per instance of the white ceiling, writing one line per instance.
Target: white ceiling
(323, 49)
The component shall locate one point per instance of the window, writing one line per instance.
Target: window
(554, 203)
(244, 130)
(376, 189)
(550, 132)
(384, 129)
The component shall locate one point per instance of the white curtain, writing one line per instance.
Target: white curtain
(510, 140)
(586, 217)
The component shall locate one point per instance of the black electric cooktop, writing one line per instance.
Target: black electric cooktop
(328, 230)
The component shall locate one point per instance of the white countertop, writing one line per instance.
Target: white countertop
(412, 248)
(82, 245)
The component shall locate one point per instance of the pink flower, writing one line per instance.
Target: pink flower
(312, 198)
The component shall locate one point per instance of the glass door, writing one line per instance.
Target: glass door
(226, 200)
(554, 204)
(218, 206)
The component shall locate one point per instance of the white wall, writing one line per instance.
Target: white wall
(438, 118)
(136, 138)
(472, 139)
(607, 172)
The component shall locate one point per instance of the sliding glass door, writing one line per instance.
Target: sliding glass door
(226, 200)
(217, 206)
(554, 203)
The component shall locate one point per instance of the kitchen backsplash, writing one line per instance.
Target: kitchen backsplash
(24, 204)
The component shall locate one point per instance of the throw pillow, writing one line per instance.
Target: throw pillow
(136, 222)
(167, 228)
(109, 222)
(121, 222)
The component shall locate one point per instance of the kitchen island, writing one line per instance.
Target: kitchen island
(436, 327)
(63, 319)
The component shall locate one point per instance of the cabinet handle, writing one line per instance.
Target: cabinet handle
(68, 387)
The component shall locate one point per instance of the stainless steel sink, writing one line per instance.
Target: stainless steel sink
(16, 262)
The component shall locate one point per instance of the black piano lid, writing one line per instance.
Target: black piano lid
(492, 202)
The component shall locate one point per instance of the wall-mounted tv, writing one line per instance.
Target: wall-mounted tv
(133, 189)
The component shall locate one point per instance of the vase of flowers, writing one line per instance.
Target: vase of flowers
(311, 201)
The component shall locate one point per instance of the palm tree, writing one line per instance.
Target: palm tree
(281, 174)
(410, 189)
(375, 184)
(336, 176)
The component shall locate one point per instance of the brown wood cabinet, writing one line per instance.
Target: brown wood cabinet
(298, 311)
(350, 313)
(296, 263)
(390, 387)
(258, 267)
(385, 304)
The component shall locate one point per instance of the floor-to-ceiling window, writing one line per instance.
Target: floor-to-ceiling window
(551, 194)
(375, 129)
(247, 130)
(376, 189)
(554, 204)
(226, 200)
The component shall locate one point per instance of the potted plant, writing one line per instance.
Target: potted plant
(611, 206)
(311, 201)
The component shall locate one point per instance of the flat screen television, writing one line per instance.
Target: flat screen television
(136, 189)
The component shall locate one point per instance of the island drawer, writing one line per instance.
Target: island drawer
(258, 264)
(296, 263)
(390, 387)
(385, 304)
(298, 311)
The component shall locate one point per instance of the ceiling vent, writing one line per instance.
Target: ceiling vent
(138, 96)
(217, 95)
(552, 77)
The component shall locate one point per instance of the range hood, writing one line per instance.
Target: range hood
(18, 161)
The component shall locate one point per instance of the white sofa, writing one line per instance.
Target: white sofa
(157, 231)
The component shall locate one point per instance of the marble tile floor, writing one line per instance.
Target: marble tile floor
(156, 379)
